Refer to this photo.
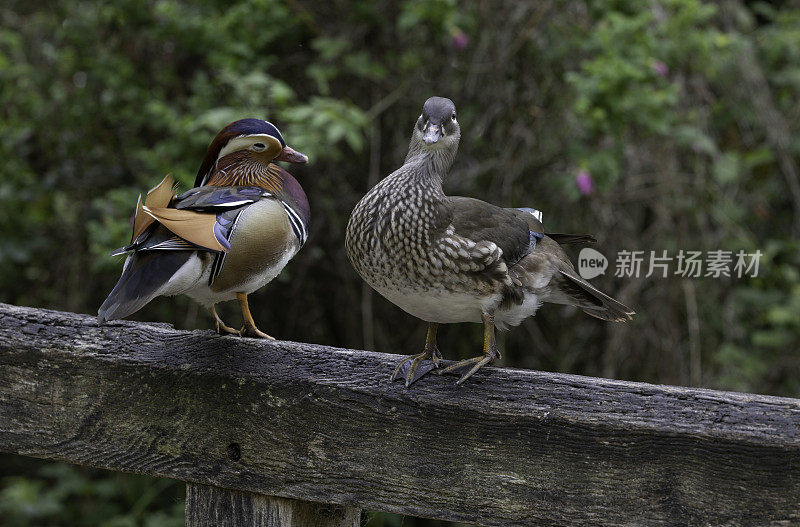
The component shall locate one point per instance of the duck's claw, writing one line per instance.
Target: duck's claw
(474, 364)
(490, 352)
(249, 329)
(415, 367)
(220, 326)
(222, 329)
(254, 333)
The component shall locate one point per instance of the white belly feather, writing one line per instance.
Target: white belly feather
(446, 307)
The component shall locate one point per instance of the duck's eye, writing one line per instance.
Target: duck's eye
(258, 147)
(454, 115)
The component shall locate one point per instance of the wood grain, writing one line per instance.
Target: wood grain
(315, 423)
(208, 506)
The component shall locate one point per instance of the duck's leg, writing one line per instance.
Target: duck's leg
(222, 329)
(249, 329)
(411, 368)
(490, 351)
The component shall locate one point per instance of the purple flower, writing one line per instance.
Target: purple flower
(460, 39)
(660, 68)
(584, 182)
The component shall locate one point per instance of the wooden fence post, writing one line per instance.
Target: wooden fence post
(208, 506)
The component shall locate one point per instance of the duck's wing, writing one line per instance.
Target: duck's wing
(205, 216)
(218, 199)
(145, 276)
(567, 287)
(157, 197)
(168, 233)
(156, 238)
(520, 234)
(590, 299)
(560, 237)
(200, 219)
(227, 203)
(533, 218)
(485, 223)
(515, 231)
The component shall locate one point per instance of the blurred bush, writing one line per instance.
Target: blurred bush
(681, 117)
(46, 494)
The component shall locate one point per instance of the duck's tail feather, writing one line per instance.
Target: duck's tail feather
(560, 238)
(593, 301)
(143, 276)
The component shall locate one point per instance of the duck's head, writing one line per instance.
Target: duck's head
(250, 140)
(437, 127)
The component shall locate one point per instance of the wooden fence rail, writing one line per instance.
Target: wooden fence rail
(283, 433)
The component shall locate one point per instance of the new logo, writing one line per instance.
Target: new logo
(591, 263)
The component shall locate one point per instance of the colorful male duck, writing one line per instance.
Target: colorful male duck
(447, 259)
(227, 237)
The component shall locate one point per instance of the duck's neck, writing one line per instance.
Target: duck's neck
(239, 169)
(431, 165)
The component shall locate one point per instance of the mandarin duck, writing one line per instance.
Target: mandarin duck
(447, 259)
(228, 236)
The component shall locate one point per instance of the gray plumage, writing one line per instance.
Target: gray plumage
(448, 259)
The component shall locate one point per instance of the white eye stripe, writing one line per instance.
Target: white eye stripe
(247, 142)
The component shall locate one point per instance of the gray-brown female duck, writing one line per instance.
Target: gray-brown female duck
(449, 259)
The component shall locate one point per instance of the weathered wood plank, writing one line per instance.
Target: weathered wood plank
(208, 506)
(315, 423)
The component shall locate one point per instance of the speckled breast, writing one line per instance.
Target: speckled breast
(389, 240)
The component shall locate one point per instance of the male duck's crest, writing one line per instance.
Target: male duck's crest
(260, 137)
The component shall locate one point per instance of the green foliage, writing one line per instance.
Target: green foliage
(59, 494)
(767, 319)
(626, 87)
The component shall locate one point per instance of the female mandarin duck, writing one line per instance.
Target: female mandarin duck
(225, 238)
(449, 259)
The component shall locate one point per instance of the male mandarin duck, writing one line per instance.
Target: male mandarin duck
(227, 237)
(447, 259)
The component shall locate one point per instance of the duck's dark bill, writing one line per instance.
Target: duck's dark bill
(291, 155)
